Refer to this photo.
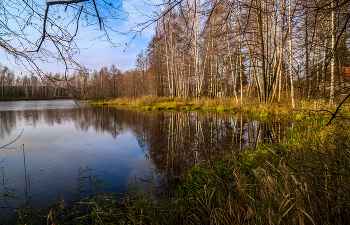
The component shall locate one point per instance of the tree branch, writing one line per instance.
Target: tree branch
(12, 141)
(98, 16)
(48, 4)
(336, 111)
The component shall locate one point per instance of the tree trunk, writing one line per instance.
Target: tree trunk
(290, 55)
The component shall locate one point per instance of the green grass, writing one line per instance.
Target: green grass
(233, 112)
(168, 106)
(223, 109)
(100, 103)
(86, 101)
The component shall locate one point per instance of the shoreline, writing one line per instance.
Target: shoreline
(305, 110)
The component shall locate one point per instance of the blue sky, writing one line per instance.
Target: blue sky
(94, 53)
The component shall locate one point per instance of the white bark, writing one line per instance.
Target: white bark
(291, 55)
(331, 99)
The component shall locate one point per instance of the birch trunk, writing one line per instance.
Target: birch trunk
(331, 99)
(290, 54)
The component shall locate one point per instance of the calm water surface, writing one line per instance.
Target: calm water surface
(63, 141)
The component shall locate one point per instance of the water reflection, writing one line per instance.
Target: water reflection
(175, 141)
(66, 137)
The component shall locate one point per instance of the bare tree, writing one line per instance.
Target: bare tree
(53, 27)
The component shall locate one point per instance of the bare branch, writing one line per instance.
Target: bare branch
(48, 4)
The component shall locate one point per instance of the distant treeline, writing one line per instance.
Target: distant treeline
(107, 83)
(31, 86)
(103, 84)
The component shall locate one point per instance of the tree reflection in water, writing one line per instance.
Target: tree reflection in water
(174, 141)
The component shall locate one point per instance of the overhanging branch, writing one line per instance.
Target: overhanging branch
(48, 4)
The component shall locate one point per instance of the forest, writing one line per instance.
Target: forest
(266, 50)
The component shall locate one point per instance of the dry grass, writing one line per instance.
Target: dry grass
(305, 109)
(304, 180)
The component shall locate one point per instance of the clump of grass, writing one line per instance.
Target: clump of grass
(223, 109)
(264, 114)
(233, 112)
(101, 103)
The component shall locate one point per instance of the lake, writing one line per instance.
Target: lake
(63, 146)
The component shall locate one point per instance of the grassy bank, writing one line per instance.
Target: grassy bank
(304, 110)
(305, 179)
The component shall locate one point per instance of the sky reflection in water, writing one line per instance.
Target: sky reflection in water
(61, 140)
